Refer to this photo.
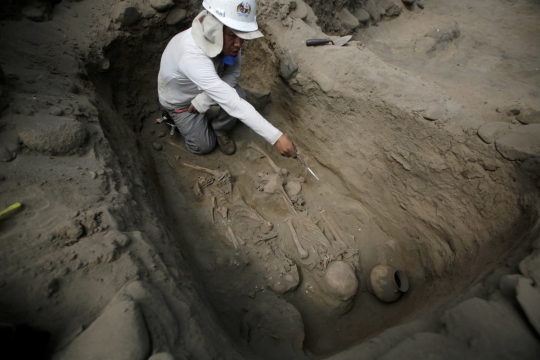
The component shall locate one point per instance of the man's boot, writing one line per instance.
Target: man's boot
(226, 144)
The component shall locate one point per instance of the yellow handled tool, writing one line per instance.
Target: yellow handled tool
(9, 210)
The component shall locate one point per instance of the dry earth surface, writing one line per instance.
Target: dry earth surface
(424, 130)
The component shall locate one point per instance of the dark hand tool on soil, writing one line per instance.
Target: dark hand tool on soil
(339, 42)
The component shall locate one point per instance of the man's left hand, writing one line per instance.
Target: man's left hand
(192, 109)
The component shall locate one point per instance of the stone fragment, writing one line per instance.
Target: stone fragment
(118, 333)
(420, 3)
(491, 330)
(492, 131)
(157, 146)
(434, 112)
(362, 15)
(348, 21)
(325, 83)
(162, 5)
(64, 136)
(175, 16)
(408, 2)
(287, 66)
(528, 297)
(125, 13)
(529, 116)
(301, 10)
(521, 144)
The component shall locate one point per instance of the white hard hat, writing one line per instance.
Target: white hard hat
(239, 16)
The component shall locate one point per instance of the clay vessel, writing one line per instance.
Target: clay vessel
(387, 283)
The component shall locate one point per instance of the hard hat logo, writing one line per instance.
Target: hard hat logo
(243, 9)
(237, 15)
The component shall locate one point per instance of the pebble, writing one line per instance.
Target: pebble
(420, 3)
(157, 146)
(161, 134)
(408, 2)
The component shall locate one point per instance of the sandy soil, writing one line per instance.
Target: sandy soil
(423, 131)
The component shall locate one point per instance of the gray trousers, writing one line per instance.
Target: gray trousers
(199, 132)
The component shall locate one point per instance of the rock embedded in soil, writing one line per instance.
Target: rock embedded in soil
(125, 13)
(521, 144)
(434, 112)
(157, 146)
(118, 333)
(162, 5)
(37, 11)
(420, 4)
(408, 2)
(325, 83)
(64, 136)
(348, 20)
(373, 11)
(287, 66)
(529, 116)
(492, 131)
(175, 16)
(362, 15)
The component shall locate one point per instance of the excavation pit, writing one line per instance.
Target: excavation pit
(250, 252)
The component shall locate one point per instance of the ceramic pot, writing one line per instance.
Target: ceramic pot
(387, 283)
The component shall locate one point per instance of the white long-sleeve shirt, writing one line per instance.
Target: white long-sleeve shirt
(187, 75)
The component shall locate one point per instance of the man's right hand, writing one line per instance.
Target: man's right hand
(285, 146)
(192, 109)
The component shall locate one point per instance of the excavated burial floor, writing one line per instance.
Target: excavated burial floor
(240, 279)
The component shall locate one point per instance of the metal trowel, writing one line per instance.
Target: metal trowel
(339, 42)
